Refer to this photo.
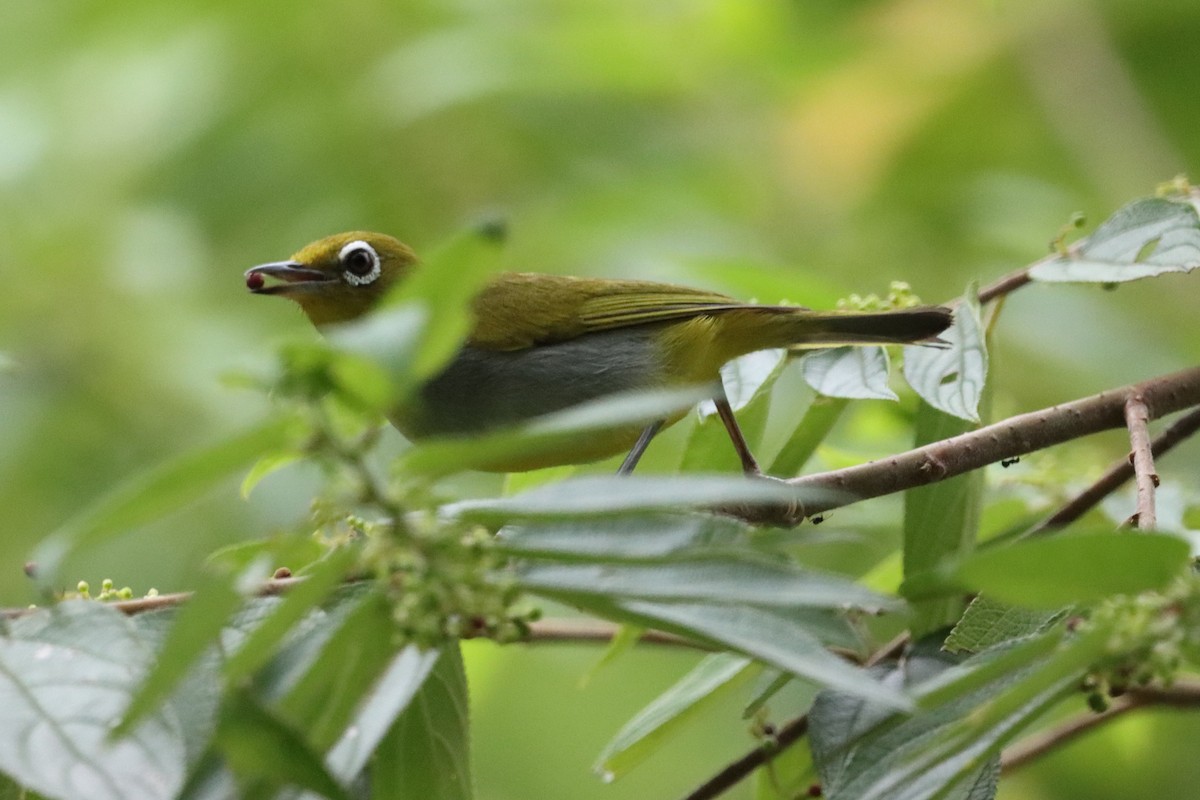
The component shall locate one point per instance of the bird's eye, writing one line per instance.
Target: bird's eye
(360, 263)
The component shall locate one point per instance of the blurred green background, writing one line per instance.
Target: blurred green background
(150, 152)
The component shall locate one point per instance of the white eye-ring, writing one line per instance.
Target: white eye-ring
(361, 263)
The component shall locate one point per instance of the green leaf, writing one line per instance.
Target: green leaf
(941, 520)
(714, 677)
(618, 494)
(379, 708)
(731, 580)
(268, 464)
(262, 748)
(853, 373)
(1064, 570)
(158, 492)
(952, 379)
(779, 639)
(446, 283)
(330, 692)
(1151, 236)
(748, 382)
(988, 623)
(382, 347)
(812, 429)
(626, 536)
(550, 433)
(196, 627)
(65, 675)
(261, 644)
(426, 754)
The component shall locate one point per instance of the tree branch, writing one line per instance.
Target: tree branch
(1008, 438)
(1182, 695)
(1117, 474)
(1136, 418)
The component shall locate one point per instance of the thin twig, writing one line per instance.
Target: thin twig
(1117, 474)
(589, 630)
(738, 770)
(142, 605)
(1012, 437)
(1185, 695)
(1137, 415)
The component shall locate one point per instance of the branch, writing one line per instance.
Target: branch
(588, 630)
(1181, 695)
(1009, 438)
(1136, 418)
(1117, 474)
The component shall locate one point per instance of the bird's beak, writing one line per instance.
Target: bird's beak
(290, 272)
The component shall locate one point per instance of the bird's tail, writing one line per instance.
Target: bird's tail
(921, 325)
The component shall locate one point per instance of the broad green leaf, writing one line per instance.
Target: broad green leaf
(444, 284)
(330, 692)
(852, 373)
(631, 536)
(714, 677)
(196, 627)
(426, 754)
(550, 433)
(952, 379)
(815, 425)
(1063, 570)
(941, 520)
(987, 623)
(771, 637)
(749, 581)
(299, 601)
(65, 676)
(616, 494)
(1151, 236)
(400, 682)
(263, 749)
(158, 492)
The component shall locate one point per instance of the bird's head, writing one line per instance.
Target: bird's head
(338, 278)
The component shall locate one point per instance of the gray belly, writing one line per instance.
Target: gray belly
(483, 389)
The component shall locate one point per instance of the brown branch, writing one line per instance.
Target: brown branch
(1182, 695)
(1009, 438)
(588, 630)
(1137, 415)
(1117, 474)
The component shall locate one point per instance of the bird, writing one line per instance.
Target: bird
(541, 343)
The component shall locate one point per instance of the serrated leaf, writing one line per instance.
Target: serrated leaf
(1148, 237)
(714, 677)
(771, 637)
(853, 373)
(718, 580)
(987, 623)
(619, 494)
(157, 492)
(65, 677)
(952, 378)
(426, 753)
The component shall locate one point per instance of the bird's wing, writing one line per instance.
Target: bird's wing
(518, 310)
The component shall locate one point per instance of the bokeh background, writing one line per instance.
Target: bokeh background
(150, 152)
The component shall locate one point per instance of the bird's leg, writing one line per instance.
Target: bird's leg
(639, 447)
(725, 411)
